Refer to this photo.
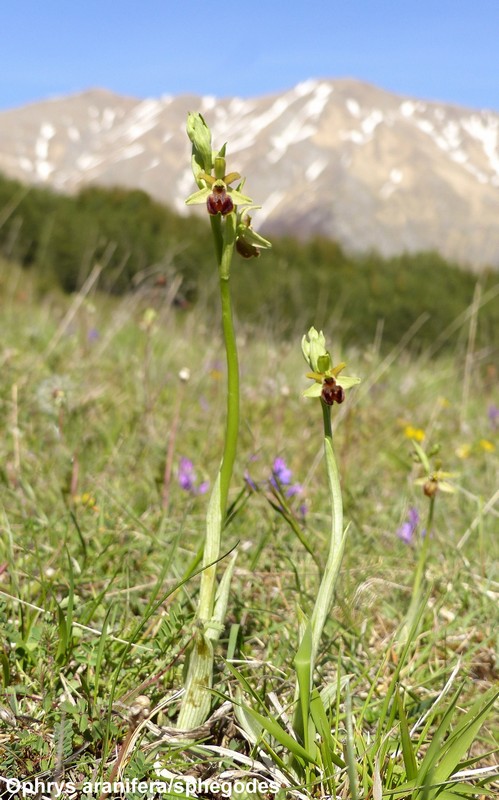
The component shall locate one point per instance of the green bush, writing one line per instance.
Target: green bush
(293, 285)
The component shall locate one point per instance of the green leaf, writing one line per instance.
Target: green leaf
(323, 725)
(460, 790)
(221, 601)
(464, 735)
(408, 755)
(197, 699)
(303, 662)
(274, 729)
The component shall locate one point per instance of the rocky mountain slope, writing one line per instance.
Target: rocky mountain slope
(340, 158)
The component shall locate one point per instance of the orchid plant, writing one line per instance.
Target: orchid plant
(330, 385)
(227, 208)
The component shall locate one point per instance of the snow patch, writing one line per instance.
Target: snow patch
(207, 103)
(353, 107)
(73, 133)
(407, 108)
(371, 122)
(452, 132)
(238, 106)
(43, 167)
(244, 135)
(142, 119)
(315, 169)
(352, 136)
(486, 132)
(108, 117)
(47, 130)
(300, 128)
(305, 87)
(425, 125)
(315, 106)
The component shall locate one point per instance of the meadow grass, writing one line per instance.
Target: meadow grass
(100, 546)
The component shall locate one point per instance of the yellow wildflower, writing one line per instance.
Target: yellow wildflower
(418, 434)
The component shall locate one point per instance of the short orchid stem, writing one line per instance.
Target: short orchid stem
(337, 540)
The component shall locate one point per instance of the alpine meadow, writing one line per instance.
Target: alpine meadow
(249, 505)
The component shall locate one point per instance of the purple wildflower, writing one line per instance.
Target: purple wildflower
(187, 478)
(407, 529)
(93, 335)
(186, 475)
(294, 489)
(281, 474)
(493, 415)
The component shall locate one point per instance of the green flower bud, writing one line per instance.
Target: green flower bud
(313, 347)
(200, 136)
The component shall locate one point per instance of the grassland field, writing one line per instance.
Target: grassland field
(97, 533)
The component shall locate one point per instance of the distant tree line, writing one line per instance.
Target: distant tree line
(295, 284)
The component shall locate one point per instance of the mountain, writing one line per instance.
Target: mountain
(340, 158)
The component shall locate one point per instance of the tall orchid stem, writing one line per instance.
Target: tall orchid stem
(224, 245)
(212, 607)
(232, 424)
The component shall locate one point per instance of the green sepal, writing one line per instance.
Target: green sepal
(251, 237)
(238, 198)
(345, 381)
(198, 197)
(313, 391)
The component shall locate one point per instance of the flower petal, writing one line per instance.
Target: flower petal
(198, 197)
(346, 381)
(313, 391)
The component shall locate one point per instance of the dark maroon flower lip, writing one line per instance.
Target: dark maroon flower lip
(332, 392)
(219, 202)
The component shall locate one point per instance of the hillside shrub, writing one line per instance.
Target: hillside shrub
(130, 235)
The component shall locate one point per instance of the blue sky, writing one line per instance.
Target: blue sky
(446, 50)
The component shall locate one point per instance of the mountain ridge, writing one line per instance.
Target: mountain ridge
(335, 157)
